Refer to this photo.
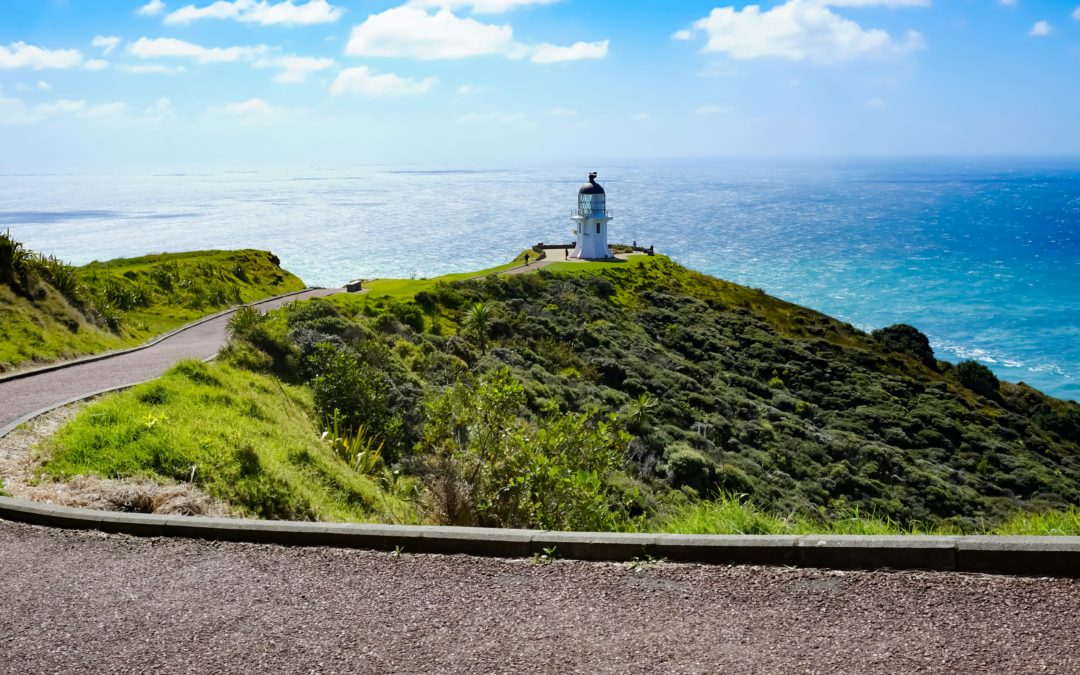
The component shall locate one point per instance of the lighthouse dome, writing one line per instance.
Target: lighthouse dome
(592, 187)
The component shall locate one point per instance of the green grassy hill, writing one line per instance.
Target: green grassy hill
(49, 310)
(644, 395)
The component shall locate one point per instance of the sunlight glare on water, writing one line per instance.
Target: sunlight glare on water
(981, 255)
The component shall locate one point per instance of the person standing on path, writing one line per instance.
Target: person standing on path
(526, 260)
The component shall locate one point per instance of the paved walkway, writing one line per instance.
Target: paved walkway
(25, 395)
(553, 256)
(75, 602)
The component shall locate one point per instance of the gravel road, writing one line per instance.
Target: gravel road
(83, 601)
(22, 396)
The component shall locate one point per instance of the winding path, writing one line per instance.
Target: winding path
(33, 392)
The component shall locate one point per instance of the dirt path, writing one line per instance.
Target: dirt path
(110, 603)
(22, 396)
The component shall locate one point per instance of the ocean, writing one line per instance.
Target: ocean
(982, 255)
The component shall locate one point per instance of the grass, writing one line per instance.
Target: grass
(729, 514)
(407, 288)
(139, 297)
(47, 329)
(187, 286)
(251, 443)
(242, 437)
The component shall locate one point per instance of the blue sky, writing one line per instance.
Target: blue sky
(88, 84)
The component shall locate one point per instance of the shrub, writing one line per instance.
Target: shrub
(906, 340)
(410, 314)
(244, 322)
(105, 314)
(350, 389)
(977, 377)
(484, 465)
(297, 313)
(16, 261)
(60, 276)
(690, 468)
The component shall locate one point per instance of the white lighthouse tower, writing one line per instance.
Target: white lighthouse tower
(591, 219)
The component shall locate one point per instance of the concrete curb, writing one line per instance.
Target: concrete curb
(146, 345)
(1034, 556)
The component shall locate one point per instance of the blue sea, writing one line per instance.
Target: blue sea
(982, 255)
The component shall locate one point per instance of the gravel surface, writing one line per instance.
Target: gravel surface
(20, 460)
(78, 601)
(22, 396)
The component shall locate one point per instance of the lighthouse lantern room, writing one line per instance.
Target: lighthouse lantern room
(591, 221)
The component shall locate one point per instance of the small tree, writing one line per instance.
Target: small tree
(977, 377)
(906, 340)
(640, 413)
(477, 321)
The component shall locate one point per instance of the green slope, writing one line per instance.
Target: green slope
(705, 390)
(124, 302)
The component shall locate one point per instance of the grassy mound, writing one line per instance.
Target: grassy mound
(625, 396)
(243, 438)
(726, 389)
(49, 310)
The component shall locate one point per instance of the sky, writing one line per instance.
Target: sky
(96, 84)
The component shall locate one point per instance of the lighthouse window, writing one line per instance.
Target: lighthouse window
(598, 228)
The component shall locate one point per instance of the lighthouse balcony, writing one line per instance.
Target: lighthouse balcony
(592, 213)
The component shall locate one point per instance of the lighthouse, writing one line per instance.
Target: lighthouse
(591, 221)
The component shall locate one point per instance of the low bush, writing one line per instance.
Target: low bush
(977, 377)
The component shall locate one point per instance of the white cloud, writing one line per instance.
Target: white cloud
(479, 6)
(470, 89)
(105, 43)
(251, 106)
(14, 112)
(253, 109)
(40, 85)
(708, 110)
(875, 3)
(364, 81)
(295, 69)
(160, 111)
(489, 118)
(412, 32)
(96, 64)
(1076, 13)
(61, 106)
(262, 12)
(875, 104)
(151, 68)
(105, 110)
(22, 55)
(152, 8)
(1040, 29)
(545, 53)
(642, 117)
(803, 30)
(152, 48)
(562, 112)
(682, 35)
(1007, 3)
